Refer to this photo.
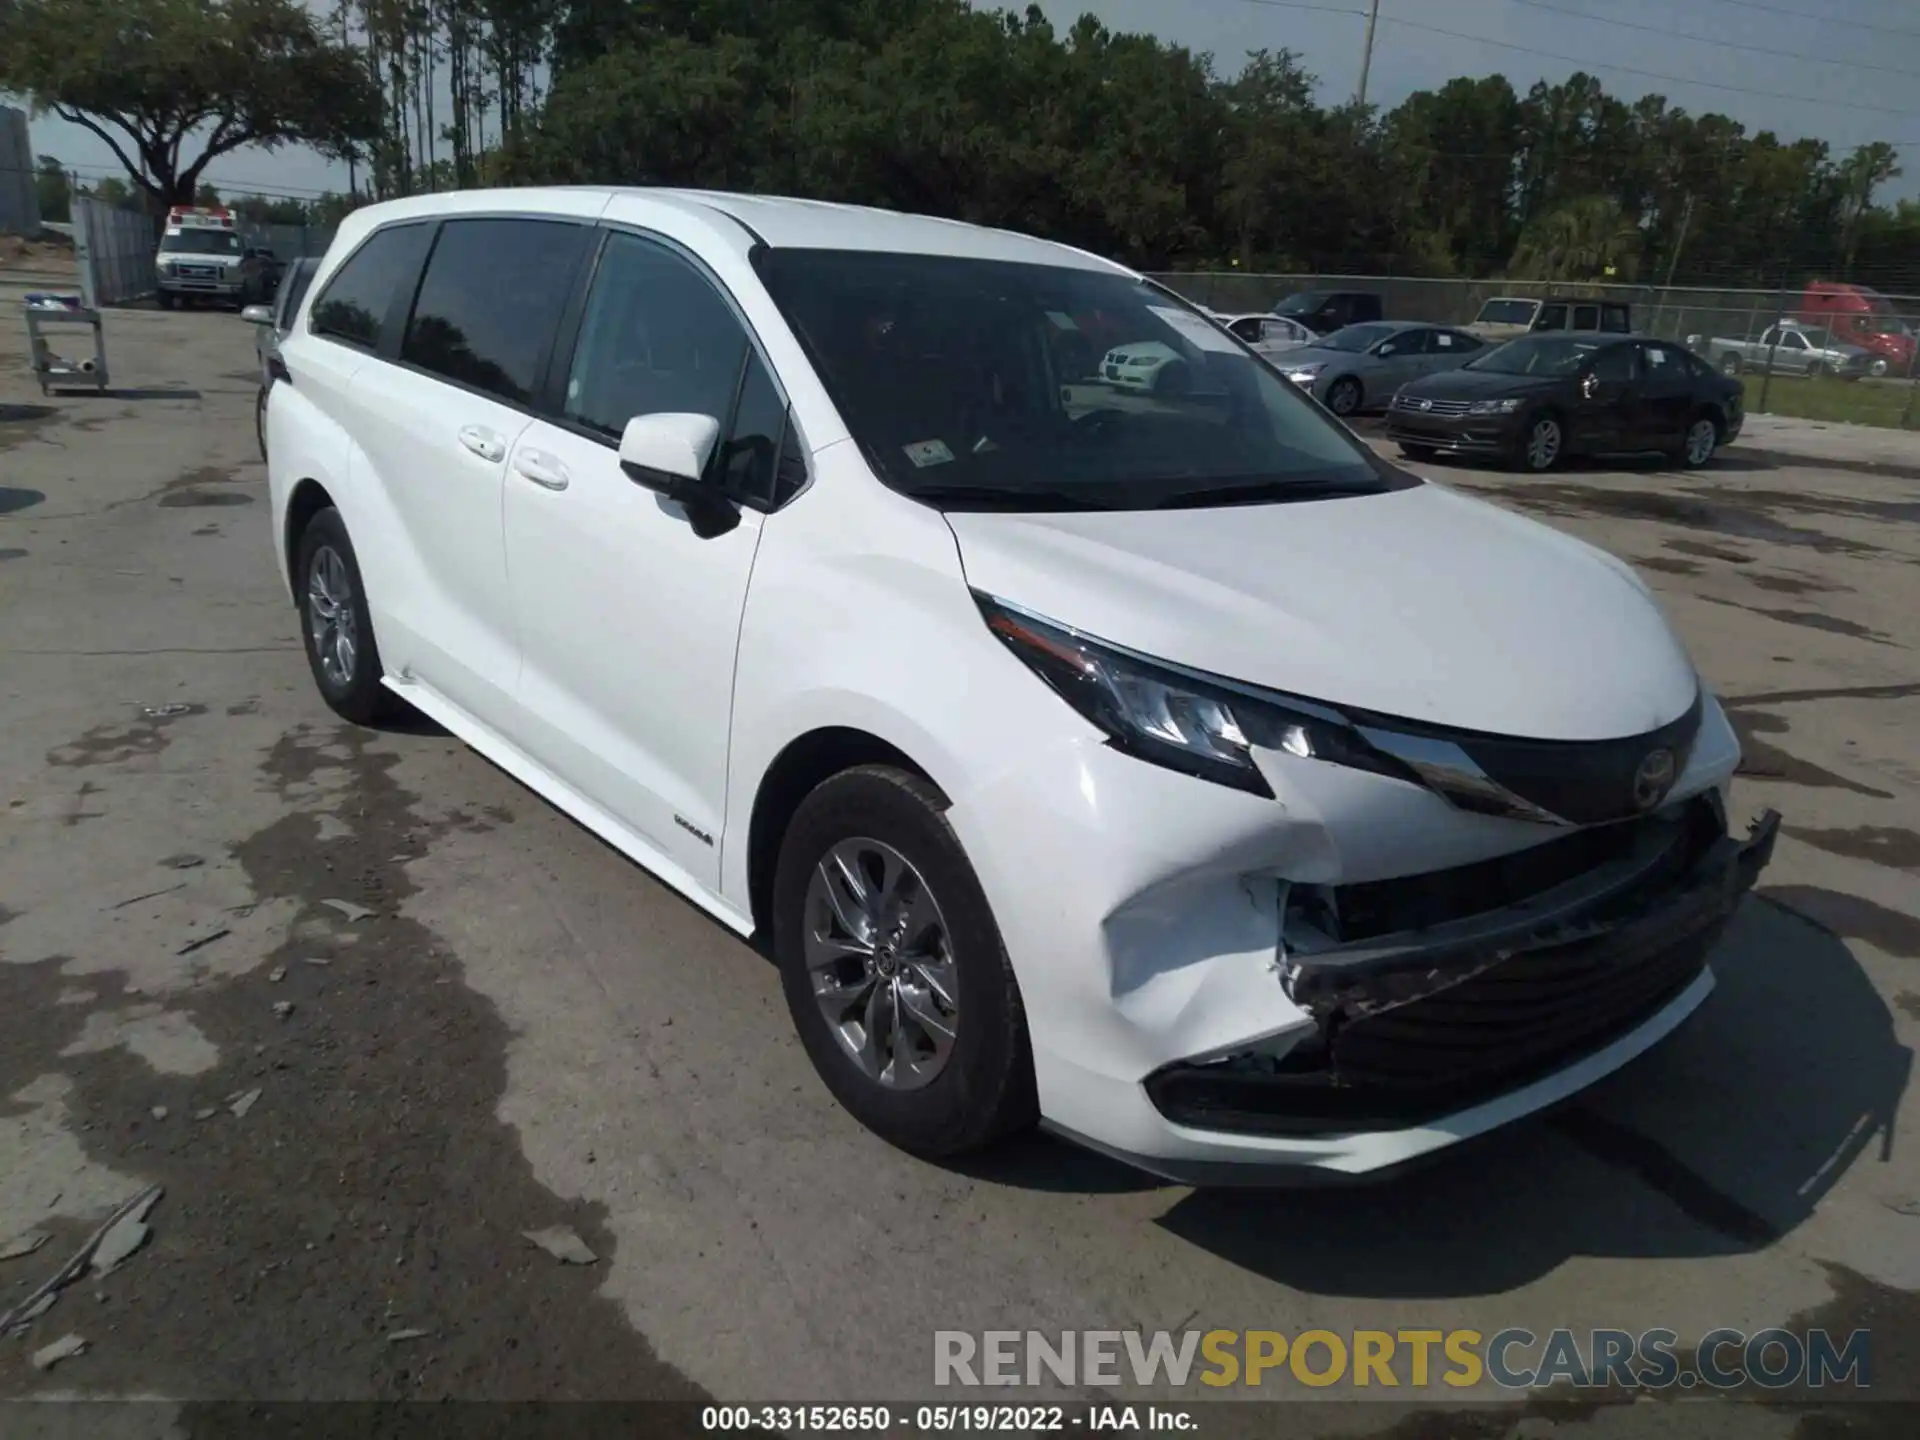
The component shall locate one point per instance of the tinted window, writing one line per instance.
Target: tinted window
(1615, 363)
(1586, 317)
(1356, 338)
(941, 368)
(1536, 355)
(762, 461)
(357, 299)
(491, 300)
(657, 338)
(1615, 317)
(1552, 317)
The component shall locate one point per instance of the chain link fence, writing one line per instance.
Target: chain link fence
(1811, 366)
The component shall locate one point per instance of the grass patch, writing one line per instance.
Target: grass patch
(1845, 402)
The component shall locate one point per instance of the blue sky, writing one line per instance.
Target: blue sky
(1846, 71)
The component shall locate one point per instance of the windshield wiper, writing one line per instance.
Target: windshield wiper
(1283, 491)
(1003, 497)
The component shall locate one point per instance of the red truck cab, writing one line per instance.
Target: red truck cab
(1861, 316)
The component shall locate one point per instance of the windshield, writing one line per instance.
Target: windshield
(977, 383)
(1541, 355)
(1305, 303)
(199, 242)
(1509, 312)
(1886, 325)
(1356, 338)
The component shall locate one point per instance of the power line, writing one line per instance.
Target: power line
(1811, 15)
(1590, 64)
(1717, 43)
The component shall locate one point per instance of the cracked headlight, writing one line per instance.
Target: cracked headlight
(1493, 407)
(1199, 724)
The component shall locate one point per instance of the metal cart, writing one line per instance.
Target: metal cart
(64, 312)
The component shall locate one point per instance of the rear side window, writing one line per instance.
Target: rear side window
(1615, 318)
(359, 298)
(1586, 317)
(657, 338)
(1552, 317)
(491, 301)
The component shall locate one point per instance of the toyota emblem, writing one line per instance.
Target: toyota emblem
(1653, 779)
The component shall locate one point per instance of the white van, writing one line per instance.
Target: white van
(1164, 768)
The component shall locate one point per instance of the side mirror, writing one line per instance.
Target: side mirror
(257, 315)
(1385, 349)
(668, 453)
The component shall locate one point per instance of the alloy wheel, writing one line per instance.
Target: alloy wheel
(330, 617)
(1701, 438)
(1344, 398)
(880, 959)
(1543, 444)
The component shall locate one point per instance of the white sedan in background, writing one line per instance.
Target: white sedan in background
(1267, 334)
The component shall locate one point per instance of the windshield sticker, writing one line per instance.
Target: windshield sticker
(1196, 331)
(928, 452)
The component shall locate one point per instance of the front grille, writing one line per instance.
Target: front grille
(1415, 405)
(1366, 911)
(1382, 1064)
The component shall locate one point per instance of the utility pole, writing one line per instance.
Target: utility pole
(1366, 56)
(1686, 219)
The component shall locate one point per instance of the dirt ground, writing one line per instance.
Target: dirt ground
(522, 1031)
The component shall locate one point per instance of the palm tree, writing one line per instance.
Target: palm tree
(1587, 239)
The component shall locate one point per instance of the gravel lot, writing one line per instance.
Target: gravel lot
(524, 1031)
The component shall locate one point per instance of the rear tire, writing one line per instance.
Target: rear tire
(1731, 365)
(877, 972)
(335, 625)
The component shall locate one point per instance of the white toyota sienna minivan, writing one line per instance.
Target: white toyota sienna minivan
(1149, 761)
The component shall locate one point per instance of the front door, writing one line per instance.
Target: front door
(1604, 415)
(629, 620)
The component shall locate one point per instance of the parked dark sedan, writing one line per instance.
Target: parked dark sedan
(1534, 401)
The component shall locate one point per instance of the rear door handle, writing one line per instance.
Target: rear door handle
(484, 443)
(541, 468)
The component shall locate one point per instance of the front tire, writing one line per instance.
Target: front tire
(166, 300)
(894, 970)
(1543, 445)
(1345, 397)
(1422, 453)
(335, 624)
(1702, 439)
(260, 421)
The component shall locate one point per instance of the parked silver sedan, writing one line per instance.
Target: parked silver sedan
(1360, 367)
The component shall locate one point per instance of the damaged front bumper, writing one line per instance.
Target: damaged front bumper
(1412, 1028)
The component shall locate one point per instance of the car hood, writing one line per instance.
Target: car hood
(1420, 603)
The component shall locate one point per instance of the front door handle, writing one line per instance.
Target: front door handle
(541, 468)
(484, 443)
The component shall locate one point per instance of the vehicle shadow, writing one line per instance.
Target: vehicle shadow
(1720, 1141)
(13, 498)
(182, 393)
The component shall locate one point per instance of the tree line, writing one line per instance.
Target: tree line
(1121, 143)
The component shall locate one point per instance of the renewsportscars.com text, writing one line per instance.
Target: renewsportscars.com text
(1513, 1359)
